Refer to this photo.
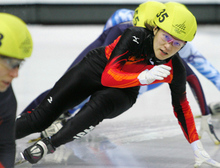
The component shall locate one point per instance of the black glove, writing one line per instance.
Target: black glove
(36, 151)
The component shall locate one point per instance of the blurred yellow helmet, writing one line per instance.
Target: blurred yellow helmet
(178, 21)
(15, 39)
(146, 12)
(174, 3)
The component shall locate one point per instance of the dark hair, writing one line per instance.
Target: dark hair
(149, 24)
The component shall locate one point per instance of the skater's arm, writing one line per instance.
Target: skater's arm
(119, 54)
(180, 103)
(191, 55)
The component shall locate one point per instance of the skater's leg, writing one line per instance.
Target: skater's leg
(75, 86)
(206, 124)
(107, 103)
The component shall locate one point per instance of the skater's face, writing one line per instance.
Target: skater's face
(8, 71)
(165, 45)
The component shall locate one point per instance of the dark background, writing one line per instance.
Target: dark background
(94, 13)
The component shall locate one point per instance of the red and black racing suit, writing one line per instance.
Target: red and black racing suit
(109, 74)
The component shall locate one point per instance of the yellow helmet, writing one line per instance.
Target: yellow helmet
(146, 11)
(178, 21)
(174, 3)
(15, 39)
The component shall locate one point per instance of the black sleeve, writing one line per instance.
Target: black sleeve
(178, 88)
(180, 103)
(131, 41)
(178, 84)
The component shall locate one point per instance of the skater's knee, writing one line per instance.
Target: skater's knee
(30, 123)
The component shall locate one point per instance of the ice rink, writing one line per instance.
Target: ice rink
(146, 136)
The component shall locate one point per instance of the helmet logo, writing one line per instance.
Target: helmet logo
(162, 15)
(1, 37)
(136, 18)
(25, 46)
(180, 28)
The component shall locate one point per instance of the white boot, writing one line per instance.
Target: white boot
(206, 126)
(201, 156)
(51, 130)
(214, 107)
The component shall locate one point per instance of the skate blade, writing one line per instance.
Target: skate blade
(198, 116)
(22, 160)
(34, 140)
